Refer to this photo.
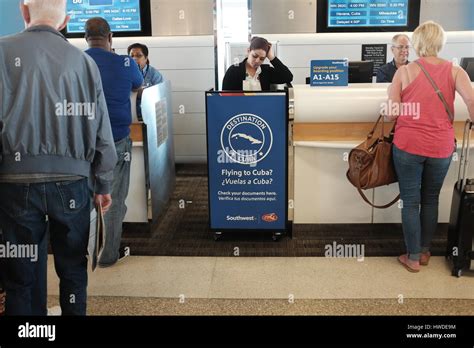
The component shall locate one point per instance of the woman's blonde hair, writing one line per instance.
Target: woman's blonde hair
(428, 39)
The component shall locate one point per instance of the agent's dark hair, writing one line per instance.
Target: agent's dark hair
(96, 28)
(140, 46)
(259, 43)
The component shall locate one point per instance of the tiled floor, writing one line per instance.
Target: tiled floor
(299, 278)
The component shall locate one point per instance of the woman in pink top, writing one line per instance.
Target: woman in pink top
(424, 138)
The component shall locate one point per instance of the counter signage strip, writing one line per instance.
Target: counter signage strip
(333, 72)
(376, 53)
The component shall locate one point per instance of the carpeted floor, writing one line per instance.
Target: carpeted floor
(163, 306)
(185, 231)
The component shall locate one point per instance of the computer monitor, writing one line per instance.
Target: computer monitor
(125, 17)
(361, 72)
(341, 16)
(467, 63)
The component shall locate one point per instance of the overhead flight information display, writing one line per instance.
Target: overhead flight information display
(122, 15)
(367, 13)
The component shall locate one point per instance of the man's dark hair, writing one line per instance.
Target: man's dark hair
(97, 27)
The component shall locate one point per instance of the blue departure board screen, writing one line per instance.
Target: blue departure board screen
(122, 15)
(367, 13)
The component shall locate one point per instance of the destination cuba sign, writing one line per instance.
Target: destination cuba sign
(247, 160)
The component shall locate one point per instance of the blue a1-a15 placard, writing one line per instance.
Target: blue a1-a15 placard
(330, 72)
(247, 160)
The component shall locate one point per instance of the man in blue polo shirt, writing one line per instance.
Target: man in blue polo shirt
(120, 76)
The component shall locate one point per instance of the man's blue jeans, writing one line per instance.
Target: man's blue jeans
(420, 180)
(27, 212)
(114, 218)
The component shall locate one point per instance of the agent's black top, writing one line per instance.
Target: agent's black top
(277, 75)
(386, 72)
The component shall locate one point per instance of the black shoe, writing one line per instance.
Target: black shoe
(123, 254)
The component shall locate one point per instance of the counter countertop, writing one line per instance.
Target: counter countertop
(344, 134)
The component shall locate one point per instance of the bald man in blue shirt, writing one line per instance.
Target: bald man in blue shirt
(120, 76)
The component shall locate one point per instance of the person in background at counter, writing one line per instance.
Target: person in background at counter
(251, 75)
(424, 139)
(139, 53)
(400, 50)
(151, 76)
(120, 76)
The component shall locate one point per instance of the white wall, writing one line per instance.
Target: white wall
(188, 62)
(451, 14)
(273, 16)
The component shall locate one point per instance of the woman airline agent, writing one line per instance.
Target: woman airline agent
(139, 53)
(424, 143)
(151, 76)
(251, 75)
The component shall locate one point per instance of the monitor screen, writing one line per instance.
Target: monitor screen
(367, 15)
(361, 72)
(125, 17)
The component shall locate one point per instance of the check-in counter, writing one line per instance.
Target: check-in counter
(328, 123)
(152, 173)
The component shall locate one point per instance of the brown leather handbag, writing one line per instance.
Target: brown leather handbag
(371, 163)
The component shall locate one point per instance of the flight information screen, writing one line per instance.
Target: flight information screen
(122, 15)
(367, 13)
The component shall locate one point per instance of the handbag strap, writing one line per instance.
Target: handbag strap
(371, 133)
(364, 197)
(437, 90)
(388, 205)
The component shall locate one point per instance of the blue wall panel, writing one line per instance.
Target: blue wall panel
(10, 17)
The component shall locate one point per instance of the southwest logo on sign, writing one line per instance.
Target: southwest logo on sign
(272, 217)
(246, 139)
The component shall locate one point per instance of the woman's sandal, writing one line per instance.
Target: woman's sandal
(410, 265)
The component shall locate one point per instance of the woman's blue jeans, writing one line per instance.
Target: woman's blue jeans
(420, 180)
